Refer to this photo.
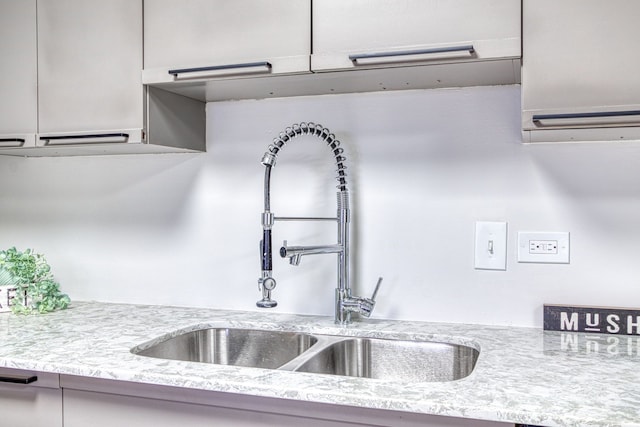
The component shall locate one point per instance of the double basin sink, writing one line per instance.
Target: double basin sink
(376, 358)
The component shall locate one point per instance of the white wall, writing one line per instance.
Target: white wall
(424, 167)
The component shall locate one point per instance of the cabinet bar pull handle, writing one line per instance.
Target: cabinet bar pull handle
(11, 142)
(244, 67)
(18, 379)
(48, 139)
(537, 118)
(433, 51)
(97, 135)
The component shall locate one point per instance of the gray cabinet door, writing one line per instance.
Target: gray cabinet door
(84, 408)
(580, 69)
(98, 403)
(436, 31)
(89, 64)
(18, 73)
(37, 404)
(224, 36)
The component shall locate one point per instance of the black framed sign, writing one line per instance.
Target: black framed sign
(601, 320)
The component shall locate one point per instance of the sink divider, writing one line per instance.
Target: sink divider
(323, 341)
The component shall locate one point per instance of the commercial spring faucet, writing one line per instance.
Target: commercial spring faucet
(345, 303)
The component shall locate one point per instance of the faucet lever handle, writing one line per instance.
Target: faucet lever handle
(366, 305)
(377, 288)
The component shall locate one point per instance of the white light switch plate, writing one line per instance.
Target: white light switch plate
(543, 247)
(491, 245)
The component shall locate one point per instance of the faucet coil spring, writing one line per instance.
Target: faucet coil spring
(303, 128)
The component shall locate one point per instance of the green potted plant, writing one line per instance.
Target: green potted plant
(27, 285)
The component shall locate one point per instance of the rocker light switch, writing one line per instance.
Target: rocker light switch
(491, 246)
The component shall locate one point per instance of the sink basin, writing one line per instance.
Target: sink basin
(387, 359)
(229, 346)
(406, 361)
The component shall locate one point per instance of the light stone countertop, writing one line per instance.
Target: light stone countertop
(523, 375)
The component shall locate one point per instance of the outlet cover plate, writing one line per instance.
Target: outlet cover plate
(543, 247)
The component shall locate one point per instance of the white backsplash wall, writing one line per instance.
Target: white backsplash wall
(424, 166)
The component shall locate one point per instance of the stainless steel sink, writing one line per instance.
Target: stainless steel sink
(228, 346)
(406, 361)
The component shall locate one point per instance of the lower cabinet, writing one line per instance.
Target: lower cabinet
(30, 399)
(35, 399)
(102, 403)
(86, 408)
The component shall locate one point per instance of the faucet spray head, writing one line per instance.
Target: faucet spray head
(266, 301)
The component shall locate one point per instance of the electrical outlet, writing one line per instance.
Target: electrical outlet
(543, 247)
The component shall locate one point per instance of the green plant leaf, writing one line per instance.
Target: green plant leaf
(37, 292)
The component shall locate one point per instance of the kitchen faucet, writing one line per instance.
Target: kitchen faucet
(345, 303)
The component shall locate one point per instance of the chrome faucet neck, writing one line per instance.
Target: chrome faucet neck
(345, 303)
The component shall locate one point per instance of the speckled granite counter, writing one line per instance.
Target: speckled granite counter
(523, 375)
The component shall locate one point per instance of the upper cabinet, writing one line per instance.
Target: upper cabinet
(205, 49)
(219, 38)
(74, 86)
(580, 79)
(89, 62)
(18, 75)
(359, 34)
